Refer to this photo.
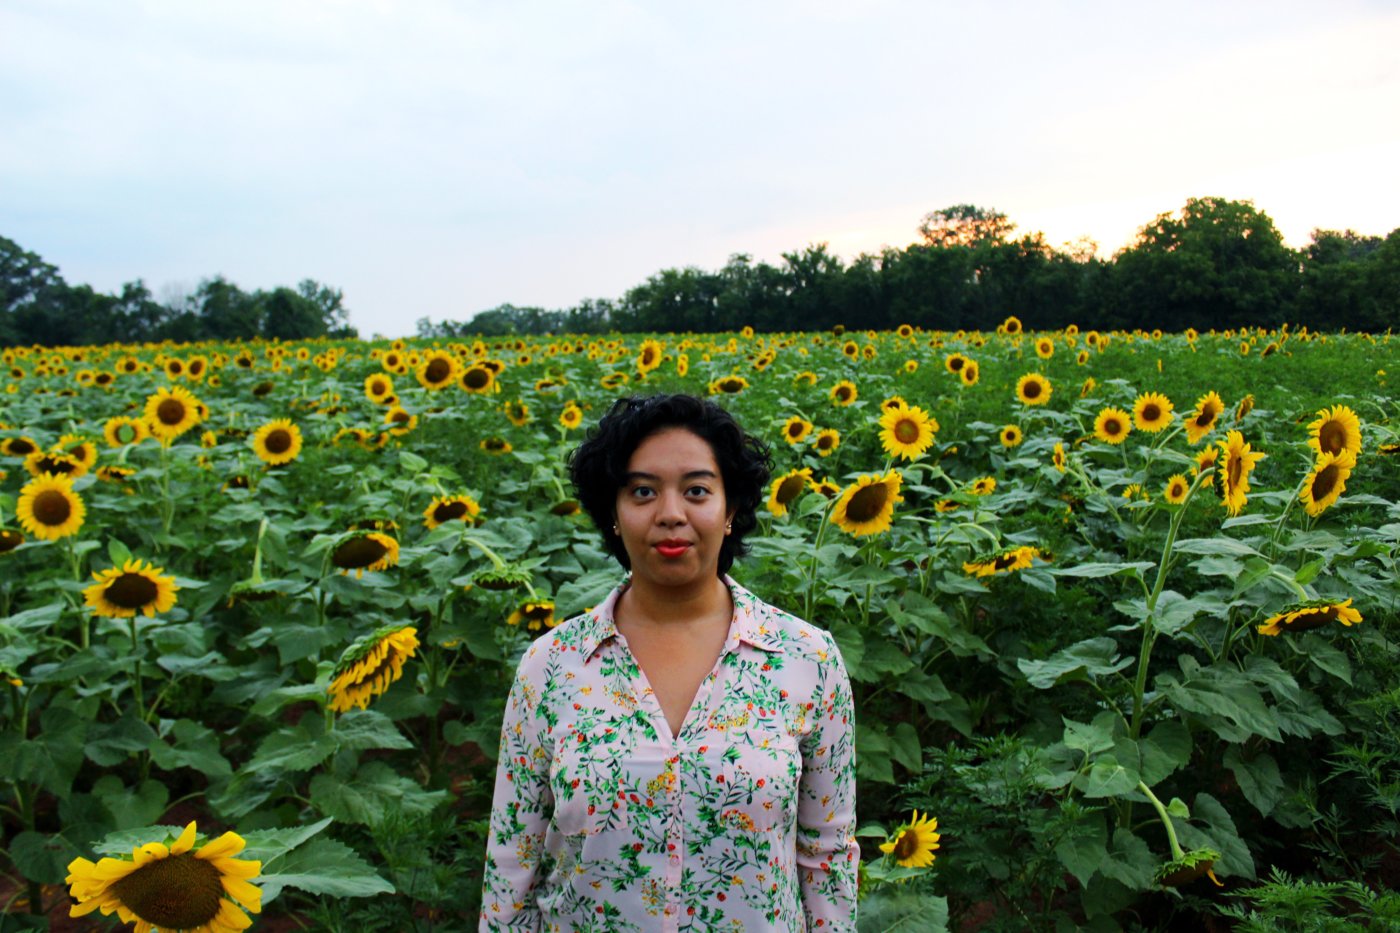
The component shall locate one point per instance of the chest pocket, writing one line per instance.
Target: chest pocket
(760, 782)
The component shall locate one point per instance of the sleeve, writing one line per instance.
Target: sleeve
(828, 855)
(516, 861)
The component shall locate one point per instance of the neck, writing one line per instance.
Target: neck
(699, 602)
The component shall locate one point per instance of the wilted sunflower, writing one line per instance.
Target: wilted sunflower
(478, 379)
(1033, 389)
(369, 666)
(1309, 615)
(786, 488)
(844, 393)
(867, 505)
(535, 613)
(171, 412)
(1152, 412)
(277, 442)
(135, 587)
(984, 486)
(437, 370)
(970, 373)
(1010, 436)
(372, 551)
(913, 843)
(1176, 489)
(1112, 426)
(1007, 561)
(796, 429)
(1057, 457)
(496, 445)
(572, 416)
(1326, 482)
(826, 442)
(49, 509)
(1236, 463)
(378, 387)
(451, 508)
(907, 432)
(1202, 421)
(171, 885)
(1336, 430)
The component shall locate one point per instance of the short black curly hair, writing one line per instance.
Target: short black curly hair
(598, 466)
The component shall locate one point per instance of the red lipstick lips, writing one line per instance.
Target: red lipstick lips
(672, 548)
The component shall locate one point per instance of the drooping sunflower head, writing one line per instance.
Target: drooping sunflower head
(370, 551)
(277, 442)
(49, 509)
(535, 614)
(506, 577)
(135, 587)
(786, 488)
(1309, 615)
(907, 432)
(451, 508)
(171, 885)
(1244, 408)
(1005, 561)
(9, 540)
(171, 412)
(1010, 436)
(1112, 426)
(913, 844)
(1336, 430)
(844, 393)
(1033, 389)
(796, 429)
(369, 666)
(1152, 412)
(1202, 421)
(1326, 482)
(866, 507)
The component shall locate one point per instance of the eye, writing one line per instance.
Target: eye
(697, 491)
(642, 492)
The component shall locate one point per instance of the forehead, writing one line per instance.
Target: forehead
(672, 450)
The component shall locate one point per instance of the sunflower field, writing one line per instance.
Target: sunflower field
(1117, 608)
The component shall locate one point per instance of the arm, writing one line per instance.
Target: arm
(516, 862)
(828, 855)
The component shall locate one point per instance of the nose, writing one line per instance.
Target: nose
(671, 508)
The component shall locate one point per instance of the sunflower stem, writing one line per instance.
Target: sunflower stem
(495, 560)
(167, 503)
(812, 566)
(1166, 819)
(136, 664)
(1288, 507)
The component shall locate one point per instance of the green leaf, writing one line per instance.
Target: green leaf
(576, 596)
(365, 729)
(873, 755)
(375, 792)
(1258, 776)
(1137, 568)
(851, 641)
(1084, 660)
(1178, 809)
(906, 749)
(131, 808)
(1309, 571)
(194, 746)
(1109, 777)
(1219, 833)
(1326, 656)
(1256, 569)
(117, 552)
(902, 911)
(1090, 739)
(109, 744)
(119, 844)
(411, 463)
(52, 758)
(1214, 547)
(1130, 862)
(1083, 847)
(323, 866)
(291, 749)
(265, 845)
(1165, 749)
(41, 858)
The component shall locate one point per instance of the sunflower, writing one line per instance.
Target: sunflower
(787, 488)
(1175, 490)
(378, 387)
(39, 463)
(826, 488)
(478, 379)
(1112, 426)
(851, 349)
(496, 445)
(9, 540)
(1327, 481)
(844, 393)
(517, 412)
(1202, 421)
(984, 486)
(18, 446)
(796, 429)
(451, 508)
(369, 666)
(174, 368)
(572, 416)
(437, 371)
(49, 509)
(893, 402)
(1012, 325)
(277, 442)
(867, 505)
(969, 373)
(1089, 385)
(79, 448)
(907, 432)
(535, 613)
(806, 378)
(1335, 431)
(650, 356)
(682, 365)
(371, 551)
(1007, 561)
(1010, 436)
(1245, 407)
(1206, 459)
(135, 587)
(1044, 348)
(171, 412)
(911, 366)
(1309, 615)
(167, 886)
(914, 842)
(1057, 457)
(399, 420)
(1033, 389)
(826, 442)
(1237, 460)
(1152, 412)
(565, 507)
(954, 363)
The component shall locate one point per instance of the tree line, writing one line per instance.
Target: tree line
(38, 307)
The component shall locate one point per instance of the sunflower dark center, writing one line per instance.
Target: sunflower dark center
(731, 385)
(956, 363)
(171, 411)
(20, 447)
(1313, 618)
(1151, 412)
(1003, 561)
(180, 892)
(538, 612)
(9, 540)
(449, 510)
(175, 367)
(52, 508)
(1207, 416)
(1332, 437)
(359, 552)
(794, 430)
(278, 441)
(906, 431)
(262, 388)
(567, 507)
(378, 387)
(56, 465)
(401, 417)
(1112, 427)
(790, 488)
(438, 370)
(868, 502)
(495, 443)
(825, 441)
(103, 379)
(1325, 481)
(1032, 389)
(196, 368)
(906, 845)
(477, 378)
(1235, 471)
(132, 591)
(843, 393)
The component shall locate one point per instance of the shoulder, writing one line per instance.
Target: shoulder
(562, 645)
(786, 632)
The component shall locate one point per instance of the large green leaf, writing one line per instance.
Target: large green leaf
(194, 746)
(1085, 660)
(902, 911)
(1259, 778)
(1165, 749)
(359, 730)
(1084, 846)
(375, 792)
(322, 866)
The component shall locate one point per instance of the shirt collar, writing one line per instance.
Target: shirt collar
(752, 623)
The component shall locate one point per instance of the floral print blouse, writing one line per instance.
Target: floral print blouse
(603, 821)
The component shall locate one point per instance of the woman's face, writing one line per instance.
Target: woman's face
(671, 510)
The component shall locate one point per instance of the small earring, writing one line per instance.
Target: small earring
(728, 529)
(616, 531)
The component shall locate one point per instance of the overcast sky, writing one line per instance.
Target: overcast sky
(437, 159)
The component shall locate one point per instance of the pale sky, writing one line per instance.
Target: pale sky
(437, 159)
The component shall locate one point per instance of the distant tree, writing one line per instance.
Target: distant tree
(965, 225)
(31, 292)
(1335, 290)
(330, 304)
(226, 312)
(1383, 283)
(287, 314)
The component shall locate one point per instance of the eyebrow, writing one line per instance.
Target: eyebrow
(693, 474)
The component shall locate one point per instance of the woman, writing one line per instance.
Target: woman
(681, 757)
